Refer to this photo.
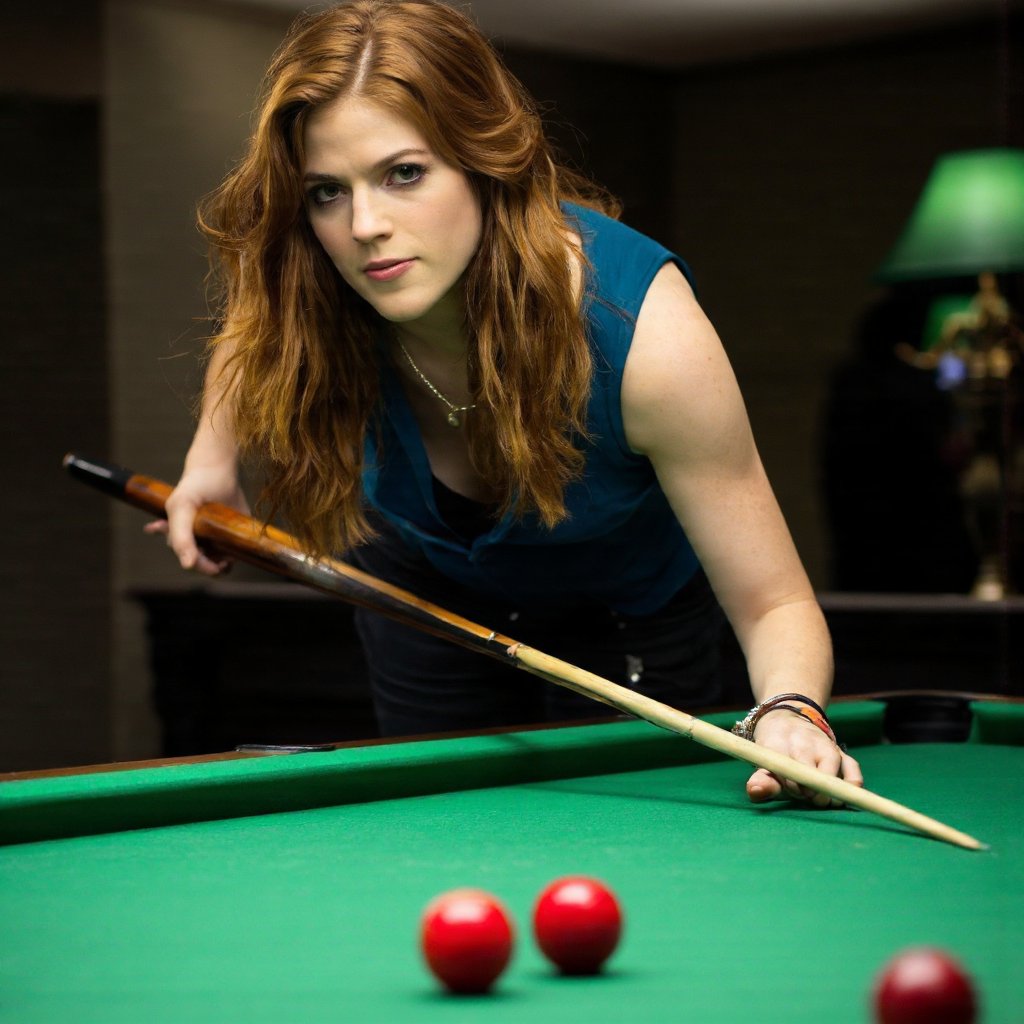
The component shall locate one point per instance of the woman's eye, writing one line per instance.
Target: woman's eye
(321, 195)
(406, 174)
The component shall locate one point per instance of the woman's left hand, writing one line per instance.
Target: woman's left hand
(790, 733)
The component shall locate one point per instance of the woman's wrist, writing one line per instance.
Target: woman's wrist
(797, 703)
(211, 452)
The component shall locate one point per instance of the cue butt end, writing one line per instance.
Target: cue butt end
(104, 476)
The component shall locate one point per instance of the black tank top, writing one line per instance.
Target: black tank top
(468, 518)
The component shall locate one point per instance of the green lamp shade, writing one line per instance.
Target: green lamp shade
(969, 219)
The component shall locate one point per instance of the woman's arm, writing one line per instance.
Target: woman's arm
(210, 473)
(682, 408)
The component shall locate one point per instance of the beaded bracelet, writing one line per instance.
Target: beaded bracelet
(813, 713)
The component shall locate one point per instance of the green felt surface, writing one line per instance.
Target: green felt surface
(57, 807)
(998, 723)
(734, 914)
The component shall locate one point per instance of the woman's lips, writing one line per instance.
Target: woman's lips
(387, 270)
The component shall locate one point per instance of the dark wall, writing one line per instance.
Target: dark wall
(794, 177)
(54, 393)
(612, 123)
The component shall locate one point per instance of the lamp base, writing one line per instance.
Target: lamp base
(990, 584)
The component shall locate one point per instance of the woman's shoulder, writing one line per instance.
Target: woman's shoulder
(599, 230)
(622, 261)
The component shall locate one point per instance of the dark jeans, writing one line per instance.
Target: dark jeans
(422, 684)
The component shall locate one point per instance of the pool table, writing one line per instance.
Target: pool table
(288, 888)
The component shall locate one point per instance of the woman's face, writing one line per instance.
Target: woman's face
(399, 223)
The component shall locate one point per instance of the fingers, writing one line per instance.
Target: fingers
(763, 785)
(201, 483)
(851, 770)
(208, 565)
(183, 543)
(831, 764)
(181, 516)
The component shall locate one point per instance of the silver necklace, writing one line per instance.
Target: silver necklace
(454, 411)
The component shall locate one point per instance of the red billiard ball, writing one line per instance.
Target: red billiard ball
(924, 986)
(466, 937)
(577, 922)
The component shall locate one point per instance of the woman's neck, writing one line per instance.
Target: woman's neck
(441, 332)
(434, 360)
(445, 341)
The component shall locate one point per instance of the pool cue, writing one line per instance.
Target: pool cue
(266, 547)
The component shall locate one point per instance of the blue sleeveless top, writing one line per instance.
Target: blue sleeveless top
(622, 545)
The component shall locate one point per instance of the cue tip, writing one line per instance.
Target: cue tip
(961, 839)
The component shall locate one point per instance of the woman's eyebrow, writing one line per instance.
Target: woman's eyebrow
(379, 165)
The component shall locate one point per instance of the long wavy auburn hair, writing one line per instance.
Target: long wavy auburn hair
(302, 373)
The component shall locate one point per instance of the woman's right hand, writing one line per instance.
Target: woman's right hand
(199, 485)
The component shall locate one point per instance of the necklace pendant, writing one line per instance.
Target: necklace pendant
(453, 418)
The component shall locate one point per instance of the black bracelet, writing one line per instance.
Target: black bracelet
(745, 728)
(805, 700)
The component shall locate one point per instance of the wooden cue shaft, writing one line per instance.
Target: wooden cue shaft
(266, 547)
(725, 742)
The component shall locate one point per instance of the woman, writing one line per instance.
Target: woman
(456, 367)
